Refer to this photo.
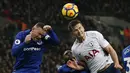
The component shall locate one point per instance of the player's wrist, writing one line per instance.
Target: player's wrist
(116, 62)
(50, 31)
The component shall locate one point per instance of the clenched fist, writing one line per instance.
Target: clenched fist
(27, 38)
(47, 28)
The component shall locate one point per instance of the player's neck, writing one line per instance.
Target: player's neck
(81, 39)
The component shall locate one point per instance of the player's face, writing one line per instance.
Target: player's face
(37, 33)
(78, 31)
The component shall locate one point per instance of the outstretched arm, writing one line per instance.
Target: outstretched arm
(114, 56)
(109, 49)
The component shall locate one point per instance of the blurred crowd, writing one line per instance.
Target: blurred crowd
(23, 14)
(31, 11)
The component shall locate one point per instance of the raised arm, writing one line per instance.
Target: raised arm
(51, 36)
(18, 44)
(21, 41)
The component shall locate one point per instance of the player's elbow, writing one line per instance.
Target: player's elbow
(13, 52)
(57, 42)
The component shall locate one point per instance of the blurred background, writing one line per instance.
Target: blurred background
(110, 17)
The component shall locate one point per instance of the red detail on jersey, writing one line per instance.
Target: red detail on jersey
(95, 52)
(91, 54)
(87, 57)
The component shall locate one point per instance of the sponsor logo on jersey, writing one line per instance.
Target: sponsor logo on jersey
(32, 49)
(91, 44)
(91, 54)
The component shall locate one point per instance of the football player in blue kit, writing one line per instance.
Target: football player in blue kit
(65, 68)
(29, 46)
(126, 59)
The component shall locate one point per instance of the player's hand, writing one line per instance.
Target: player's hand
(73, 64)
(118, 66)
(47, 28)
(27, 38)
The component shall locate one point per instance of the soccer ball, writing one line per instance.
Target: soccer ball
(70, 11)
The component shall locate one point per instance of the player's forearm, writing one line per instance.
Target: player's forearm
(114, 56)
(79, 67)
(17, 49)
(113, 53)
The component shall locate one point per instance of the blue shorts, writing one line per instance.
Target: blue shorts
(111, 69)
(26, 71)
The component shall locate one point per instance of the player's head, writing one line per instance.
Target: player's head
(76, 28)
(67, 55)
(38, 31)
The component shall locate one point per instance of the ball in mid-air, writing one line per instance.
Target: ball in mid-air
(70, 11)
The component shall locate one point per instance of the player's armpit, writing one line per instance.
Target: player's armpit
(108, 49)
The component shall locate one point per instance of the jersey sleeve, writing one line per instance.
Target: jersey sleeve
(18, 44)
(51, 38)
(60, 70)
(102, 41)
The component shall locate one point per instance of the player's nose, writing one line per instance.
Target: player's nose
(79, 30)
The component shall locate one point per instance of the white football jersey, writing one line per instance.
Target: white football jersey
(91, 51)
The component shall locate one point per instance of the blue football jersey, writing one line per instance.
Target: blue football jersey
(126, 59)
(29, 56)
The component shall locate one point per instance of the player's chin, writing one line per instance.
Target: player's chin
(79, 36)
(35, 39)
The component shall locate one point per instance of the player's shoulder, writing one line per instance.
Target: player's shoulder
(92, 33)
(24, 32)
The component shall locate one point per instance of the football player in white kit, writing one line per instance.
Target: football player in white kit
(89, 47)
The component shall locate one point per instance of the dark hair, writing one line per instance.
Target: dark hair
(40, 24)
(67, 55)
(72, 24)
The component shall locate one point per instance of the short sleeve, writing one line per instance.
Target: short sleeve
(102, 41)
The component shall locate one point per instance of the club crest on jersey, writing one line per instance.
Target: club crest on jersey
(40, 42)
(17, 41)
(91, 44)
